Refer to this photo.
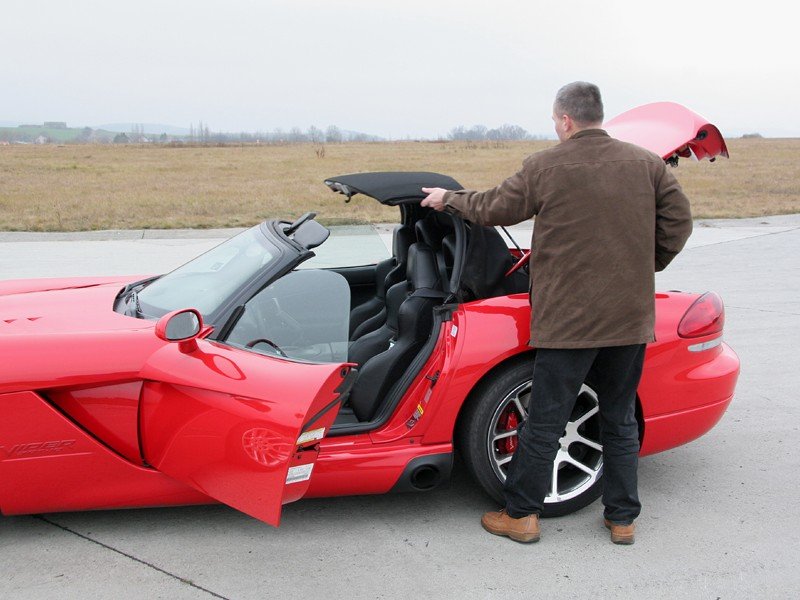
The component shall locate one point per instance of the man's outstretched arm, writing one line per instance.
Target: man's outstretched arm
(507, 204)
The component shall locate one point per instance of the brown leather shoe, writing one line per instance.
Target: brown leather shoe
(525, 529)
(620, 534)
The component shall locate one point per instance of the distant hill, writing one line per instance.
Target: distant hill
(149, 128)
(58, 135)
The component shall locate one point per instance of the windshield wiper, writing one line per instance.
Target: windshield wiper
(132, 306)
(129, 295)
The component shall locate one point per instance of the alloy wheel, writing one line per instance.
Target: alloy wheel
(579, 462)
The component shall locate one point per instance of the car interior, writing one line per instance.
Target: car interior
(392, 325)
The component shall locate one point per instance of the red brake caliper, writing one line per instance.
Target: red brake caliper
(508, 421)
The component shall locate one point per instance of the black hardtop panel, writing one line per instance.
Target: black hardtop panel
(391, 187)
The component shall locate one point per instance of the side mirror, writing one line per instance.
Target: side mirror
(182, 326)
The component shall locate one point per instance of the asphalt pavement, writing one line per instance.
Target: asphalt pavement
(720, 519)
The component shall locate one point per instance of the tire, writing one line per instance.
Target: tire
(486, 437)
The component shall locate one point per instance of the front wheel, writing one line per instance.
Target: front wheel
(487, 438)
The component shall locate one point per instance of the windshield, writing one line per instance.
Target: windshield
(353, 245)
(207, 281)
(304, 315)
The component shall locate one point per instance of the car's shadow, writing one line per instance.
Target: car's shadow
(460, 498)
(457, 503)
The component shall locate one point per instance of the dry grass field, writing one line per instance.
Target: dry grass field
(85, 187)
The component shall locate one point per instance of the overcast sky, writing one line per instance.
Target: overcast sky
(394, 68)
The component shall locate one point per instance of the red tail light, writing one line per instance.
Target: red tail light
(705, 317)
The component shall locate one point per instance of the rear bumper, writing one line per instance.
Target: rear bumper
(699, 397)
(675, 429)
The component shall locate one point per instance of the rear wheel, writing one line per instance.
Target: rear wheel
(487, 438)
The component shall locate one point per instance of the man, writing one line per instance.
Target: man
(608, 214)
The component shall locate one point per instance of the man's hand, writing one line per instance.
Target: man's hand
(435, 198)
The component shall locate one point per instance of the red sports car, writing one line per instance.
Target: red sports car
(243, 378)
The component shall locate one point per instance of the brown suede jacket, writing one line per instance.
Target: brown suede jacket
(608, 214)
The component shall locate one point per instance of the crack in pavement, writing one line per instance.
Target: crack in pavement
(741, 239)
(779, 312)
(130, 556)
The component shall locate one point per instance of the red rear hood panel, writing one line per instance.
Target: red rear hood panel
(667, 128)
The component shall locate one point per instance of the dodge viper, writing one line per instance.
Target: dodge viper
(250, 378)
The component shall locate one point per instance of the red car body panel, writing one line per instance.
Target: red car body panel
(235, 438)
(46, 455)
(698, 393)
(51, 464)
(98, 412)
(108, 412)
(103, 369)
(667, 128)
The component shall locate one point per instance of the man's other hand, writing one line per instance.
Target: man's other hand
(434, 199)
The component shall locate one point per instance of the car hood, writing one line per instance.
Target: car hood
(56, 306)
(670, 130)
(62, 333)
(391, 187)
(24, 286)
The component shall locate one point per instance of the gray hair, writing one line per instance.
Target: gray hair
(581, 101)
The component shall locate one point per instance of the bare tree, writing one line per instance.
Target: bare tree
(296, 135)
(333, 135)
(315, 134)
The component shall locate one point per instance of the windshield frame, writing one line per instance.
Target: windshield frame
(197, 272)
(288, 255)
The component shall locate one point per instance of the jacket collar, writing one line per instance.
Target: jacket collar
(589, 133)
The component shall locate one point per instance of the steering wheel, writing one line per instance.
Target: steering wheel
(271, 311)
(270, 343)
(289, 322)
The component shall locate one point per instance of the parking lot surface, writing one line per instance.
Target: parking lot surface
(720, 515)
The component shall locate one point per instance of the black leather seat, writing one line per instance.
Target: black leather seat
(432, 230)
(399, 340)
(375, 342)
(371, 314)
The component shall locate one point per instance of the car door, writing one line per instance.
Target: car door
(240, 427)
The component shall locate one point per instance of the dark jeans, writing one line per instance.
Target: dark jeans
(614, 373)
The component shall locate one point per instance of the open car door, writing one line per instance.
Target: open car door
(241, 427)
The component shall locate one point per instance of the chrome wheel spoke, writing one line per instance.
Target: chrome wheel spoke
(586, 416)
(522, 412)
(576, 463)
(587, 442)
(504, 434)
(505, 459)
(554, 481)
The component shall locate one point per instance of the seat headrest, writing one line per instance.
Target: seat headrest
(423, 271)
(428, 232)
(402, 238)
(433, 228)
